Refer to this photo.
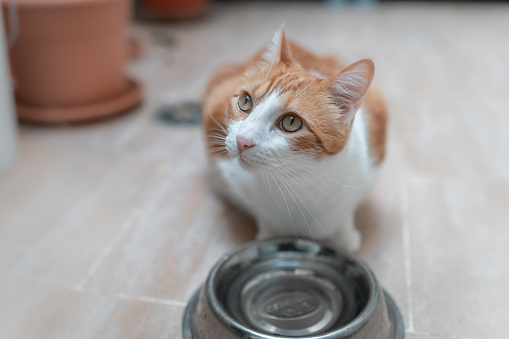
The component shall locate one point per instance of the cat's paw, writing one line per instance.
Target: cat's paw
(264, 234)
(349, 241)
(265, 231)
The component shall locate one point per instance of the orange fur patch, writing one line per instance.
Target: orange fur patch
(215, 106)
(376, 121)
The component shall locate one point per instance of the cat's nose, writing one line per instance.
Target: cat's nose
(243, 143)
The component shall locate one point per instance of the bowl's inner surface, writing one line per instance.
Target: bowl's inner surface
(292, 291)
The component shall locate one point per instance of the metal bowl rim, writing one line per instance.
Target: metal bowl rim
(394, 315)
(229, 322)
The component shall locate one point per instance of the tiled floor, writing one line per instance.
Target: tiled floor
(107, 229)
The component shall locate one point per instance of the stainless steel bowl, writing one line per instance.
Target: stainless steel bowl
(287, 288)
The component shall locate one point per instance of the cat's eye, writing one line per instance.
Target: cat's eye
(291, 123)
(245, 103)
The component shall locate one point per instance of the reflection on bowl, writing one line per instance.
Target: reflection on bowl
(291, 288)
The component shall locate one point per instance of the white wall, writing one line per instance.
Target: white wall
(7, 121)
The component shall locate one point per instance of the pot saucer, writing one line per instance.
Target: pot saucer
(83, 113)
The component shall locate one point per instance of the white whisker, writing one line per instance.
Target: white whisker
(313, 198)
(284, 183)
(316, 172)
(319, 187)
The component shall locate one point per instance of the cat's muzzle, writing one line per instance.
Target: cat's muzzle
(287, 288)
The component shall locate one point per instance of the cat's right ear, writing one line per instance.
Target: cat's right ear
(349, 87)
(279, 50)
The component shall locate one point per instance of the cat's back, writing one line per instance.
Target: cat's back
(323, 66)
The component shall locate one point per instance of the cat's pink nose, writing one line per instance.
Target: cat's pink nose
(243, 143)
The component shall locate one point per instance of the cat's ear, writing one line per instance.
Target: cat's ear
(350, 86)
(279, 50)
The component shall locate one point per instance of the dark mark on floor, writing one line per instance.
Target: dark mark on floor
(185, 113)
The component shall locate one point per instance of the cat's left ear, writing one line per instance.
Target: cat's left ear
(279, 50)
(350, 86)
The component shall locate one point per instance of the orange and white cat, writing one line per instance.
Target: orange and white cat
(295, 140)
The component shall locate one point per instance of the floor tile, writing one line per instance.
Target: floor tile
(459, 241)
(379, 220)
(427, 336)
(104, 134)
(450, 138)
(40, 312)
(64, 211)
(175, 241)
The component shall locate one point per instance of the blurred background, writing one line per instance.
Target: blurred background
(107, 223)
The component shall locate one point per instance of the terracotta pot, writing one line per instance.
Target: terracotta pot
(70, 54)
(173, 9)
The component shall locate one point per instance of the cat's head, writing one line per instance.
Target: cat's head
(283, 112)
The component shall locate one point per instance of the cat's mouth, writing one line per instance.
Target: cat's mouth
(246, 164)
(253, 162)
(249, 160)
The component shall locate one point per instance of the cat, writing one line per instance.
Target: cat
(295, 140)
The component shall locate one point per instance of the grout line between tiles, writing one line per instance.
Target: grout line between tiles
(108, 249)
(131, 220)
(124, 296)
(152, 300)
(405, 228)
(126, 136)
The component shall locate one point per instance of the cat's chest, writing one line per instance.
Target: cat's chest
(276, 195)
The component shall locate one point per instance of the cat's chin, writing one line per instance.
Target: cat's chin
(248, 165)
(245, 164)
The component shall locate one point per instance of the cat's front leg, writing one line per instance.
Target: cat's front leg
(347, 237)
(265, 231)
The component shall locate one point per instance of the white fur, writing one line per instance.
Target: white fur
(273, 49)
(304, 198)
